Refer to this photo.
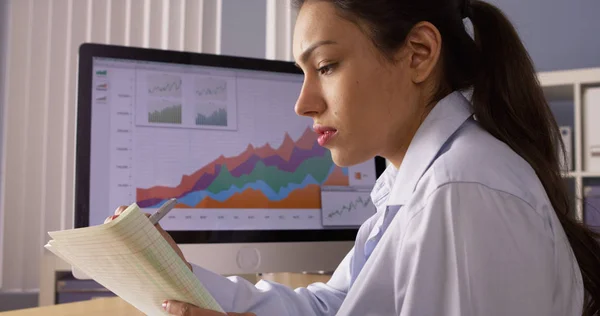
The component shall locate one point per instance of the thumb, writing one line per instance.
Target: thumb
(186, 309)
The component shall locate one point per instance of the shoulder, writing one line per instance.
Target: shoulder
(475, 160)
(470, 212)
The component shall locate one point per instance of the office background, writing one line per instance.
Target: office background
(38, 46)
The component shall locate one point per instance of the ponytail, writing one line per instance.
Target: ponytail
(509, 103)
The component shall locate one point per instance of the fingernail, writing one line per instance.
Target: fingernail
(164, 305)
(114, 216)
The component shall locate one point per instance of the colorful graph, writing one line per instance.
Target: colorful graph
(164, 85)
(211, 114)
(211, 89)
(263, 177)
(164, 111)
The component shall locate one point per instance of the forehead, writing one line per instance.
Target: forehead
(317, 21)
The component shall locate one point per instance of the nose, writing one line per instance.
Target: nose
(310, 102)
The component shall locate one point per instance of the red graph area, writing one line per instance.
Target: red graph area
(308, 197)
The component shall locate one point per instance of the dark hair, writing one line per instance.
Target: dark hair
(507, 98)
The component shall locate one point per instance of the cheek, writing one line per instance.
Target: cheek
(365, 115)
(340, 96)
(358, 104)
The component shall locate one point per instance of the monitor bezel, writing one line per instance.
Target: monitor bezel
(89, 51)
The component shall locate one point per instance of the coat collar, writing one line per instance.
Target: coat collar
(441, 123)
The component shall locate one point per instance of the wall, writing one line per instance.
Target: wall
(558, 34)
(542, 24)
(4, 22)
(244, 34)
(257, 28)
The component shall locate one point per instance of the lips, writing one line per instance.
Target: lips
(325, 133)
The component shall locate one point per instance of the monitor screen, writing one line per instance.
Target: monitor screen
(218, 133)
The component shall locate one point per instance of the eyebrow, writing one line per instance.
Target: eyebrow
(304, 56)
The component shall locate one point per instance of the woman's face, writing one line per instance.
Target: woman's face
(362, 104)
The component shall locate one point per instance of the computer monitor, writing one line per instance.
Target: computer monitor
(256, 193)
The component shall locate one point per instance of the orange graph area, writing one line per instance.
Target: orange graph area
(308, 197)
(337, 177)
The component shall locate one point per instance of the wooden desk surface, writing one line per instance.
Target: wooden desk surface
(113, 306)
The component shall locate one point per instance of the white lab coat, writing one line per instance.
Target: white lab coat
(463, 228)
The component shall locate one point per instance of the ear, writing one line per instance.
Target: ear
(423, 47)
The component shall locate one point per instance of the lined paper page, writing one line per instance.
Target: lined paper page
(129, 257)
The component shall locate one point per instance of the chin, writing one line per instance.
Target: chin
(346, 159)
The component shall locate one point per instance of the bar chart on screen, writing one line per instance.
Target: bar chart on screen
(185, 100)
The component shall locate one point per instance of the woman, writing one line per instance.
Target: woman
(472, 212)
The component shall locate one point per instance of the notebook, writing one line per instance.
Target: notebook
(129, 257)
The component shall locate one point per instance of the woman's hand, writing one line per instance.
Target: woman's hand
(185, 309)
(175, 307)
(165, 235)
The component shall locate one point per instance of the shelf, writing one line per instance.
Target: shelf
(590, 174)
(564, 91)
(569, 77)
(559, 92)
(583, 174)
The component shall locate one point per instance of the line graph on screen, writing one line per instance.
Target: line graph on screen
(346, 208)
(164, 85)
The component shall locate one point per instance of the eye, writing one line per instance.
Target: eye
(327, 69)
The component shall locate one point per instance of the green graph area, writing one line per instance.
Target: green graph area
(170, 115)
(217, 118)
(317, 167)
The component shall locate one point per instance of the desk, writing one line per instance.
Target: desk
(116, 306)
(113, 306)
(51, 264)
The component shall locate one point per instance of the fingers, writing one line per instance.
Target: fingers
(118, 212)
(185, 309)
